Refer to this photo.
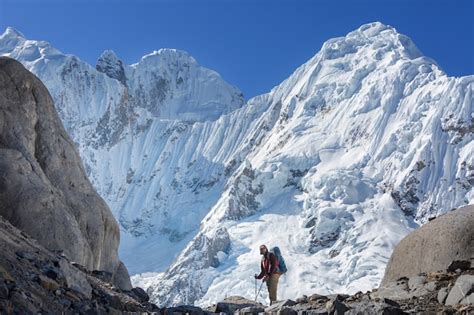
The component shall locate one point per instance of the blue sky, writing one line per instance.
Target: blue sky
(253, 44)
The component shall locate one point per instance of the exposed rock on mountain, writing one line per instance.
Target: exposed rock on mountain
(44, 190)
(434, 246)
(113, 67)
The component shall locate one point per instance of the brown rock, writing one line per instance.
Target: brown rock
(433, 246)
(48, 283)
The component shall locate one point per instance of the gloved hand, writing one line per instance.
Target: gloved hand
(256, 276)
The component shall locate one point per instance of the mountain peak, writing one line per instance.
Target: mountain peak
(171, 54)
(374, 36)
(10, 39)
(111, 65)
(374, 28)
(12, 32)
(108, 54)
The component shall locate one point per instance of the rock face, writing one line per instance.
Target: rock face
(109, 64)
(434, 246)
(43, 187)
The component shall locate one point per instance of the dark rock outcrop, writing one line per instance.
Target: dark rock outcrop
(233, 304)
(434, 246)
(109, 64)
(44, 190)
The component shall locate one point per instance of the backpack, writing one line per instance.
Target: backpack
(281, 261)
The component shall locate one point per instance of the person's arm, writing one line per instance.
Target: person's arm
(273, 264)
(262, 271)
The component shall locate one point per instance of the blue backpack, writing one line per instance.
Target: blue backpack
(281, 261)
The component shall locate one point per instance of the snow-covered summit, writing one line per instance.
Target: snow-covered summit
(14, 44)
(172, 85)
(11, 32)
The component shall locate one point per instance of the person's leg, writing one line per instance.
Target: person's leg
(268, 282)
(272, 283)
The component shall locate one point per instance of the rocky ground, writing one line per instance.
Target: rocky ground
(448, 292)
(34, 280)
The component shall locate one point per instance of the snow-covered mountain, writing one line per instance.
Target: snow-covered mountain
(136, 130)
(335, 165)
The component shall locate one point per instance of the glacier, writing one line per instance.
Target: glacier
(360, 145)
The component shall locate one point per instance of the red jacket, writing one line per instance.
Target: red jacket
(268, 265)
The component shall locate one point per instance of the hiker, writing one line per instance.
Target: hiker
(269, 272)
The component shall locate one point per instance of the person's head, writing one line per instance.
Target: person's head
(263, 250)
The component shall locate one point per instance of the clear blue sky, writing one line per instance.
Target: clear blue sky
(253, 44)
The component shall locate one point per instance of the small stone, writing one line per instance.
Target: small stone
(5, 275)
(336, 307)
(185, 309)
(57, 292)
(250, 310)
(48, 283)
(25, 255)
(279, 306)
(3, 290)
(442, 294)
(315, 297)
(51, 273)
(72, 295)
(140, 295)
(391, 302)
(430, 286)
(65, 302)
(114, 301)
(416, 282)
(303, 299)
(103, 275)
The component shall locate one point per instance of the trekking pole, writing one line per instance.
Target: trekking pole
(255, 286)
(256, 295)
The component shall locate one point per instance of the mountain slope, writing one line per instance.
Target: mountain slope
(335, 165)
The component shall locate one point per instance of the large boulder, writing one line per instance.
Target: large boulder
(44, 190)
(433, 246)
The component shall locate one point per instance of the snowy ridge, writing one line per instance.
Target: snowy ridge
(335, 165)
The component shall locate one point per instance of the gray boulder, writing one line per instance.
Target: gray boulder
(442, 295)
(121, 278)
(373, 308)
(250, 310)
(433, 246)
(468, 300)
(279, 306)
(184, 309)
(44, 190)
(75, 279)
(233, 304)
(462, 288)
